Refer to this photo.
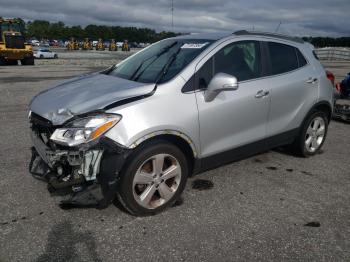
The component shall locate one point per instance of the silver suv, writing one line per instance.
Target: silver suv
(183, 105)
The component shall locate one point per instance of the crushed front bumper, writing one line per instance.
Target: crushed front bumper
(82, 176)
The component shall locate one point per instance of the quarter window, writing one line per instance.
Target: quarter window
(301, 58)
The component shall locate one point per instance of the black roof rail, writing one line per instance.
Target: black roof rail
(284, 37)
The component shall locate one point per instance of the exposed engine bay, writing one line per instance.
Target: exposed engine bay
(83, 176)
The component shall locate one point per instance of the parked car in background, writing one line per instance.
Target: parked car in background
(45, 53)
(106, 44)
(61, 43)
(34, 42)
(138, 130)
(133, 44)
(342, 100)
(141, 45)
(54, 43)
(344, 87)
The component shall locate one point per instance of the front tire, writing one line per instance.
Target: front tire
(153, 179)
(11, 62)
(312, 135)
(28, 61)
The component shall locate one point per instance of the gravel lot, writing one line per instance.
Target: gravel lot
(270, 207)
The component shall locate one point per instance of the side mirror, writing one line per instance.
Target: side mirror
(220, 82)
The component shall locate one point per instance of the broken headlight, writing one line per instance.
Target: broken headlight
(84, 130)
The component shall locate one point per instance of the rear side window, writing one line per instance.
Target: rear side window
(283, 58)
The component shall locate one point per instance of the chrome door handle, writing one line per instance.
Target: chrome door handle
(311, 80)
(262, 93)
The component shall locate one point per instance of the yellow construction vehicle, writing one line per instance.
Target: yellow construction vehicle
(71, 44)
(113, 46)
(100, 46)
(125, 46)
(76, 45)
(12, 43)
(87, 45)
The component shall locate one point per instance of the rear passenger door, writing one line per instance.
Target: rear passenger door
(293, 87)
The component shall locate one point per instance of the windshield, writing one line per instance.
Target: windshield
(161, 61)
(10, 27)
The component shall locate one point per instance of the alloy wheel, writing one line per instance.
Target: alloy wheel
(156, 180)
(315, 134)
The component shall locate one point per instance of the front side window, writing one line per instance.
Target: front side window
(283, 58)
(239, 59)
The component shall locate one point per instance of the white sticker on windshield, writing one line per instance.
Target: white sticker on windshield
(194, 45)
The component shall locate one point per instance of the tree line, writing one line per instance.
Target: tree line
(328, 41)
(41, 29)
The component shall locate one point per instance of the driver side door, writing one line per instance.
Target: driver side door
(233, 118)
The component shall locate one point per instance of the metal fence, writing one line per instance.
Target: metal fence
(333, 53)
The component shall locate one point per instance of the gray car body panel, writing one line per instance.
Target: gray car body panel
(85, 94)
(167, 111)
(232, 119)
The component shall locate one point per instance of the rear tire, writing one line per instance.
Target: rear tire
(55, 56)
(153, 178)
(312, 134)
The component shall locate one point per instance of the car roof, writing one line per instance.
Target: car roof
(209, 36)
(267, 34)
(218, 36)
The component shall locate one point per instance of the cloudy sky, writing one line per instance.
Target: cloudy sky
(297, 17)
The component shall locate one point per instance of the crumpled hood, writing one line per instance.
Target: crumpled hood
(84, 94)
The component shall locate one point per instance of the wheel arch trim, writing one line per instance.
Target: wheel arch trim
(321, 104)
(166, 132)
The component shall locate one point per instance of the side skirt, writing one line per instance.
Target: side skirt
(245, 151)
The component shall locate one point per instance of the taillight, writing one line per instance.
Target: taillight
(330, 76)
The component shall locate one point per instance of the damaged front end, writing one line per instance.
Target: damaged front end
(76, 160)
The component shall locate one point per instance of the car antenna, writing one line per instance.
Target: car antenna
(278, 27)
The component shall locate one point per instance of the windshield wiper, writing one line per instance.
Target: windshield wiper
(165, 49)
(167, 65)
